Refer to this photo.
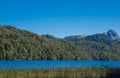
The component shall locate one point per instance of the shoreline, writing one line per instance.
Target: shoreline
(88, 72)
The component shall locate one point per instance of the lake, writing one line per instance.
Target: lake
(55, 63)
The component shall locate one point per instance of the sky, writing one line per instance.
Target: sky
(61, 18)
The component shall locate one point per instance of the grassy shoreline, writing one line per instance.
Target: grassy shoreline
(89, 72)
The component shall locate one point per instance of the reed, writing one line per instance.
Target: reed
(89, 72)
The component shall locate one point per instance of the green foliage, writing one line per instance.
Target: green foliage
(16, 44)
(100, 47)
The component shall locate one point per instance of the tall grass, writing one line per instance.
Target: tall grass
(90, 72)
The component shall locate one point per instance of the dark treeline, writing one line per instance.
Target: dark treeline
(16, 44)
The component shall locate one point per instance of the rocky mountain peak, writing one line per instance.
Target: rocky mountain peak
(112, 34)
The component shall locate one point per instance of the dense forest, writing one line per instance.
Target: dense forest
(17, 44)
(100, 47)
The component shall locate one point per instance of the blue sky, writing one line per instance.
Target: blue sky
(61, 17)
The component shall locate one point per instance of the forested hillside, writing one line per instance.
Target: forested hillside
(100, 47)
(20, 44)
(16, 44)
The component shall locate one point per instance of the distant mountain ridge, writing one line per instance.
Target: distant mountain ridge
(112, 34)
(17, 44)
(75, 37)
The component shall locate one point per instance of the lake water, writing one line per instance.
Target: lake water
(55, 64)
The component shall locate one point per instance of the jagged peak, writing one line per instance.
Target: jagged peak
(112, 34)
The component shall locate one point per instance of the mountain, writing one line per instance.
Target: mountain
(75, 37)
(100, 47)
(112, 34)
(17, 44)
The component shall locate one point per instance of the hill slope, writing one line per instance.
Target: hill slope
(16, 44)
(21, 44)
(100, 47)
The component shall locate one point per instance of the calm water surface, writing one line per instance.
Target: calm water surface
(55, 64)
